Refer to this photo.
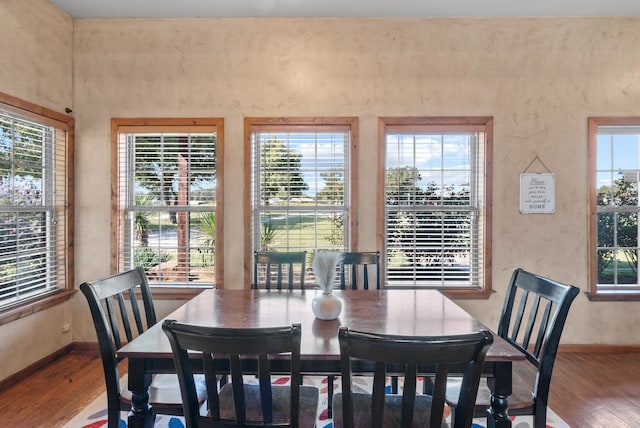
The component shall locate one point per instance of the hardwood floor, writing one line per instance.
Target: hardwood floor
(52, 395)
(599, 390)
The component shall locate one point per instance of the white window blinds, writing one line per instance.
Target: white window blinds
(300, 189)
(167, 184)
(434, 182)
(33, 161)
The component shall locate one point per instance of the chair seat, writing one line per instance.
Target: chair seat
(309, 397)
(164, 392)
(520, 400)
(392, 411)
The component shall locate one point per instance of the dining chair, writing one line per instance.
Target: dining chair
(409, 357)
(276, 269)
(356, 268)
(121, 309)
(532, 320)
(244, 353)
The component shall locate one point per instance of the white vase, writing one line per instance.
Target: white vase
(326, 306)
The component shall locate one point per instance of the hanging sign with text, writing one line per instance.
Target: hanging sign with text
(537, 193)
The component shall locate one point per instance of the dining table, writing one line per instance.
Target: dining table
(414, 312)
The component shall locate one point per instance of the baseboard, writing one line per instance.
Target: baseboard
(32, 368)
(599, 348)
(85, 347)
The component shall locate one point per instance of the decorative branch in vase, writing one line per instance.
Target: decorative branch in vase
(325, 264)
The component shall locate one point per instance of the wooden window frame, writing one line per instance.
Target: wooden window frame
(484, 123)
(64, 122)
(123, 125)
(593, 123)
(253, 124)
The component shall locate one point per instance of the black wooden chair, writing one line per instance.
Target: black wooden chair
(117, 311)
(409, 357)
(275, 269)
(238, 403)
(355, 268)
(532, 319)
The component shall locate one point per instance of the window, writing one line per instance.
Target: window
(300, 175)
(168, 215)
(437, 203)
(614, 152)
(35, 206)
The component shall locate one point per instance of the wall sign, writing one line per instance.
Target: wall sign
(537, 193)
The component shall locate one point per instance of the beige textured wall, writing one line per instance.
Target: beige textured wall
(539, 78)
(36, 42)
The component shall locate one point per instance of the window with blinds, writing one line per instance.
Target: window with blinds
(300, 181)
(435, 215)
(167, 183)
(33, 207)
(615, 151)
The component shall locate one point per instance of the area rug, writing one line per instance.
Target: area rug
(95, 415)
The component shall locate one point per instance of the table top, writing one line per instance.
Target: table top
(406, 312)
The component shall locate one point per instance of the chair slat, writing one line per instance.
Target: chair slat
(135, 310)
(237, 381)
(113, 323)
(409, 394)
(211, 377)
(531, 322)
(439, 391)
(124, 316)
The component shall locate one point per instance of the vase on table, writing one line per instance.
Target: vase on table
(326, 306)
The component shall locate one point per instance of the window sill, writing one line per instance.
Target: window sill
(613, 297)
(181, 293)
(467, 294)
(33, 306)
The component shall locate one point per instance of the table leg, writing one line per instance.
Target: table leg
(140, 415)
(498, 413)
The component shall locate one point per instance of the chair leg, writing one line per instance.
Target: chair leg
(540, 417)
(113, 417)
(330, 397)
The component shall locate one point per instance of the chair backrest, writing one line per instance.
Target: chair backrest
(411, 356)
(532, 319)
(236, 349)
(118, 317)
(358, 265)
(275, 269)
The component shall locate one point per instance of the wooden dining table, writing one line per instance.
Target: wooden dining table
(403, 312)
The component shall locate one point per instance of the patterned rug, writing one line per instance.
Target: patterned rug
(95, 415)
